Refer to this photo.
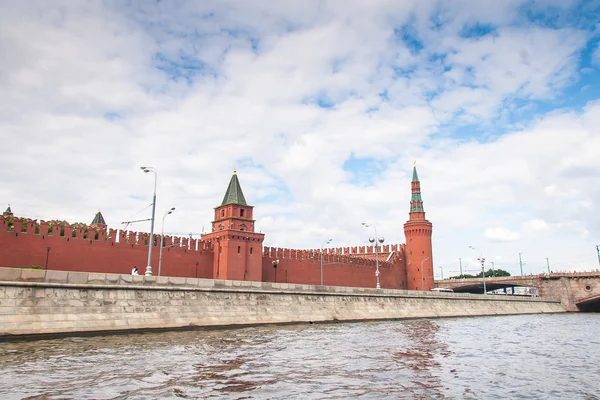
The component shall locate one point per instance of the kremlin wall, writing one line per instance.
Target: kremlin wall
(231, 251)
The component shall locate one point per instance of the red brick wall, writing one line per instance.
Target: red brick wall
(118, 251)
(102, 255)
(304, 266)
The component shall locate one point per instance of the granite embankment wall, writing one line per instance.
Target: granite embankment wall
(37, 302)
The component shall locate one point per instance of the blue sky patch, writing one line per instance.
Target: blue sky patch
(408, 35)
(477, 30)
(364, 170)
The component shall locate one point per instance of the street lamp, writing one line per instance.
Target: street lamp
(442, 271)
(47, 255)
(548, 263)
(493, 269)
(275, 264)
(598, 251)
(482, 261)
(423, 275)
(324, 244)
(374, 240)
(162, 239)
(521, 263)
(151, 242)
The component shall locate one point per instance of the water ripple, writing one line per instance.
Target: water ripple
(528, 357)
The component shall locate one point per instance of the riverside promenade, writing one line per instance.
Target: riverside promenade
(40, 302)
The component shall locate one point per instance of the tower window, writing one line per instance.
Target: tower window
(241, 213)
(239, 248)
(250, 250)
(222, 213)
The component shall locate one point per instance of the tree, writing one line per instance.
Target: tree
(489, 274)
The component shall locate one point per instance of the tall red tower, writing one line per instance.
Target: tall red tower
(237, 248)
(417, 230)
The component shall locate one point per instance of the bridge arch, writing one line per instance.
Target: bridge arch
(590, 304)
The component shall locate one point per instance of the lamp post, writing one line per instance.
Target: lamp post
(324, 244)
(47, 256)
(598, 251)
(151, 242)
(275, 264)
(442, 271)
(521, 263)
(461, 272)
(162, 239)
(423, 275)
(374, 240)
(493, 269)
(482, 261)
(548, 263)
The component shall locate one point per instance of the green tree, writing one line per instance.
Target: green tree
(489, 274)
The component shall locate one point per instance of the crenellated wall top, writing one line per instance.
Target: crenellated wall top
(62, 230)
(360, 255)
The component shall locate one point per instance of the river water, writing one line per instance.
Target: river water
(530, 357)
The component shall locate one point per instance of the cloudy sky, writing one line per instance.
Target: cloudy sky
(322, 107)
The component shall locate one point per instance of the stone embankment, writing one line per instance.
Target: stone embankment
(38, 302)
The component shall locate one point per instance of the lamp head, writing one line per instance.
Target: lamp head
(173, 209)
(372, 239)
(381, 239)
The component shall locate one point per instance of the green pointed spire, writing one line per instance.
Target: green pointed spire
(8, 210)
(416, 202)
(234, 193)
(98, 219)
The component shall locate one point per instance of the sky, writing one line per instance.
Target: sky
(322, 107)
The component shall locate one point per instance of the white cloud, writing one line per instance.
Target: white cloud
(91, 92)
(536, 225)
(500, 235)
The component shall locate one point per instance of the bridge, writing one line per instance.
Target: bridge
(578, 291)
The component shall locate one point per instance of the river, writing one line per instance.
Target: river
(530, 357)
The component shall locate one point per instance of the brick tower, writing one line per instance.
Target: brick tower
(237, 248)
(417, 231)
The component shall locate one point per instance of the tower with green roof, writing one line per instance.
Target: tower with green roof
(418, 251)
(98, 221)
(237, 248)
